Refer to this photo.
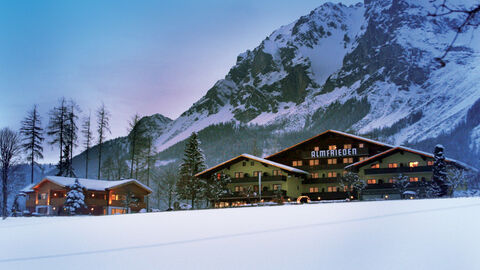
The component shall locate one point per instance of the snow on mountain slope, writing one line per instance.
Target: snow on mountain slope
(366, 68)
(408, 234)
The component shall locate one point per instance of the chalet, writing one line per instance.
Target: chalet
(101, 197)
(311, 169)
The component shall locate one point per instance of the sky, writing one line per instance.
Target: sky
(142, 57)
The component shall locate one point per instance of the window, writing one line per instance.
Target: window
(332, 161)
(315, 175)
(313, 189)
(375, 166)
(392, 165)
(297, 163)
(360, 145)
(371, 181)
(316, 148)
(430, 163)
(412, 164)
(413, 179)
(244, 164)
(256, 173)
(332, 147)
(347, 160)
(277, 172)
(255, 188)
(238, 188)
(314, 162)
(391, 180)
(361, 158)
(239, 174)
(252, 163)
(347, 146)
(332, 189)
(277, 187)
(43, 196)
(332, 174)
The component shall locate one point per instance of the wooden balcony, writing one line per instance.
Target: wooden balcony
(254, 179)
(399, 170)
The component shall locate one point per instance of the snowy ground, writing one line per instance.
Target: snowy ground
(411, 234)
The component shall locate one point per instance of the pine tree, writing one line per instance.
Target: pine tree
(57, 129)
(32, 133)
(216, 187)
(71, 137)
(347, 182)
(103, 126)
(440, 170)
(88, 138)
(149, 160)
(10, 146)
(138, 141)
(189, 187)
(401, 184)
(75, 200)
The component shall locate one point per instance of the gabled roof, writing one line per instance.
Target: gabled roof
(28, 188)
(332, 131)
(406, 149)
(248, 156)
(91, 184)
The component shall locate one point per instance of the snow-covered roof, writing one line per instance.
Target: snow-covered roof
(91, 184)
(28, 188)
(252, 157)
(333, 131)
(415, 151)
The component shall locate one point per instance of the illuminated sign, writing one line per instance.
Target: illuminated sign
(334, 153)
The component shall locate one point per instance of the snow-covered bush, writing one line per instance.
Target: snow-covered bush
(75, 200)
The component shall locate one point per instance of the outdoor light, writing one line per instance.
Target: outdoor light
(318, 198)
(93, 195)
(351, 197)
(386, 196)
(91, 209)
(411, 198)
(55, 194)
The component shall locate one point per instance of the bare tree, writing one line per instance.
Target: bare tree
(9, 154)
(57, 130)
(32, 133)
(88, 138)
(455, 177)
(471, 19)
(103, 126)
(167, 185)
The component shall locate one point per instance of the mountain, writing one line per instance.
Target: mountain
(367, 69)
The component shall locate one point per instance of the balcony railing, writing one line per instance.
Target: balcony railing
(399, 170)
(254, 179)
(243, 195)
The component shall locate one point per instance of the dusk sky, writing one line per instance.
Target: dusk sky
(135, 56)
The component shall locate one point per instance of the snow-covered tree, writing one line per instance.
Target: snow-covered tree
(455, 177)
(9, 154)
(32, 137)
(347, 181)
(401, 184)
(189, 187)
(359, 186)
(440, 169)
(103, 126)
(129, 200)
(431, 189)
(75, 200)
(216, 187)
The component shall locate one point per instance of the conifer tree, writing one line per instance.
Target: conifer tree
(32, 133)
(71, 137)
(88, 138)
(347, 182)
(57, 130)
(189, 187)
(103, 126)
(440, 170)
(75, 200)
(401, 184)
(135, 138)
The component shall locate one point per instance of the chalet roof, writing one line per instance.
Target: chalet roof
(91, 184)
(252, 157)
(335, 132)
(407, 149)
(28, 188)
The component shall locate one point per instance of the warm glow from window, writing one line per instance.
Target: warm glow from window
(297, 163)
(277, 172)
(347, 146)
(313, 189)
(361, 158)
(391, 180)
(315, 175)
(316, 148)
(332, 174)
(360, 145)
(430, 163)
(332, 189)
(347, 160)
(277, 187)
(413, 179)
(332, 147)
(375, 166)
(413, 164)
(371, 181)
(332, 161)
(314, 162)
(392, 165)
(239, 174)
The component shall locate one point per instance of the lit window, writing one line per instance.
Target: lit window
(332, 147)
(361, 158)
(347, 146)
(375, 166)
(314, 162)
(277, 172)
(277, 187)
(315, 175)
(297, 163)
(360, 145)
(43, 196)
(391, 180)
(332, 189)
(219, 176)
(347, 160)
(332, 161)
(371, 181)
(430, 163)
(238, 188)
(392, 165)
(316, 148)
(413, 164)
(256, 173)
(313, 189)
(239, 174)
(332, 174)
(413, 179)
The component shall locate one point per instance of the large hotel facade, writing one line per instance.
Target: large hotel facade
(311, 169)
